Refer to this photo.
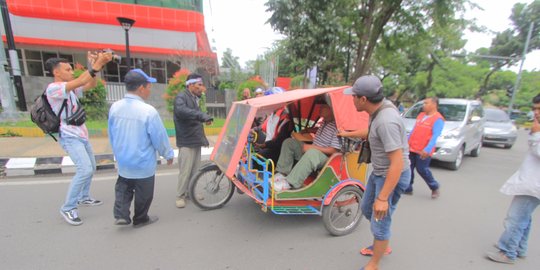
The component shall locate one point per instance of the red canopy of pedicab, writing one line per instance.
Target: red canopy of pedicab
(227, 155)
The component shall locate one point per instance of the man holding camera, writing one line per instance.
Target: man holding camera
(63, 96)
(390, 160)
(190, 137)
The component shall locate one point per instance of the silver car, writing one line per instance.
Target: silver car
(462, 133)
(499, 129)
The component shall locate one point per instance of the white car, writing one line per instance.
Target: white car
(499, 129)
(462, 133)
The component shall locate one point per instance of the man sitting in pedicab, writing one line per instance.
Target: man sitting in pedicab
(310, 157)
(276, 128)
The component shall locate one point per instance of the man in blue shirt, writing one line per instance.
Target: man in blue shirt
(136, 133)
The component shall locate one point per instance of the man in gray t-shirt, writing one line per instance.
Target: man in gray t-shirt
(390, 160)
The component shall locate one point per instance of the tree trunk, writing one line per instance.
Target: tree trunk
(483, 88)
(375, 14)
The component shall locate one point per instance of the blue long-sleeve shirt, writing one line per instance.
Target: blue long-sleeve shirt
(136, 133)
(436, 132)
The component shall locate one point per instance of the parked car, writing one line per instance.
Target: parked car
(499, 128)
(462, 133)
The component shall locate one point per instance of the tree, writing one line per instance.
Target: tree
(324, 33)
(510, 43)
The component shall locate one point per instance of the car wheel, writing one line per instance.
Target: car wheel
(459, 158)
(476, 151)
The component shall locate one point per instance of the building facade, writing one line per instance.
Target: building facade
(167, 35)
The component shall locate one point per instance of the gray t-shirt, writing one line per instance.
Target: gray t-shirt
(387, 134)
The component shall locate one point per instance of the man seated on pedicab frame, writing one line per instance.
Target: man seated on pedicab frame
(277, 128)
(310, 157)
(274, 130)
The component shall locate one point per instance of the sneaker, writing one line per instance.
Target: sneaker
(519, 255)
(72, 217)
(180, 203)
(151, 219)
(121, 221)
(90, 202)
(500, 257)
(281, 184)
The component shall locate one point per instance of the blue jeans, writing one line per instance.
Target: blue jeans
(80, 152)
(422, 167)
(513, 241)
(381, 228)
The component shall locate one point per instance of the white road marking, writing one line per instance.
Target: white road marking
(67, 181)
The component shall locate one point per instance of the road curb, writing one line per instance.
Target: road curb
(29, 166)
(36, 132)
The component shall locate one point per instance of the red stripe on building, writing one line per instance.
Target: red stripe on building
(93, 46)
(91, 11)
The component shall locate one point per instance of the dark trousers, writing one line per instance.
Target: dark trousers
(422, 167)
(125, 189)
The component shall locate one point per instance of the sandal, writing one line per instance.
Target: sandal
(368, 251)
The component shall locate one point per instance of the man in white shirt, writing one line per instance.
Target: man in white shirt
(524, 185)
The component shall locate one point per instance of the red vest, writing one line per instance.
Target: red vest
(283, 119)
(422, 132)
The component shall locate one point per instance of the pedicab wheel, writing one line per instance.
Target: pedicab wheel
(343, 213)
(210, 188)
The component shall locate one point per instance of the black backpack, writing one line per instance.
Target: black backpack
(45, 118)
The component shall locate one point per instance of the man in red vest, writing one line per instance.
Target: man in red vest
(422, 140)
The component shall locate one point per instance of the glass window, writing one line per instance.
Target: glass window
(35, 68)
(159, 74)
(48, 55)
(143, 64)
(32, 55)
(414, 111)
(111, 69)
(111, 78)
(453, 112)
(157, 64)
(172, 68)
(496, 115)
(68, 57)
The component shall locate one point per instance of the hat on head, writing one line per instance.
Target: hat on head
(137, 76)
(274, 90)
(368, 86)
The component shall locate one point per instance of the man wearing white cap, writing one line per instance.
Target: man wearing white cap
(390, 160)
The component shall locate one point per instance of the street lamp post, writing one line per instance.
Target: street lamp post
(126, 24)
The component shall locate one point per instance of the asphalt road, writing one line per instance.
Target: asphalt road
(452, 232)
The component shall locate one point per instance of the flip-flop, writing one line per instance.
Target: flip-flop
(368, 251)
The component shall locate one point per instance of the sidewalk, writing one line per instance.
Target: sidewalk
(42, 155)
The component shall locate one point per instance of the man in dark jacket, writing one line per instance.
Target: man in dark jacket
(190, 137)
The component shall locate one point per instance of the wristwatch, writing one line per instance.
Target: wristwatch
(93, 72)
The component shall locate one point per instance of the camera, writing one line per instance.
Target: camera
(115, 57)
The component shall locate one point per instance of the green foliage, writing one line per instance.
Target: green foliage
(94, 101)
(176, 84)
(252, 84)
(297, 82)
(226, 85)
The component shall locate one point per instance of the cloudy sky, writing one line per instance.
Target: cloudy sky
(241, 26)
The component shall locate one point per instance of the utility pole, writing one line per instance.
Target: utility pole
(518, 78)
(6, 89)
(14, 59)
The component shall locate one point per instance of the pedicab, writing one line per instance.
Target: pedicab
(334, 192)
